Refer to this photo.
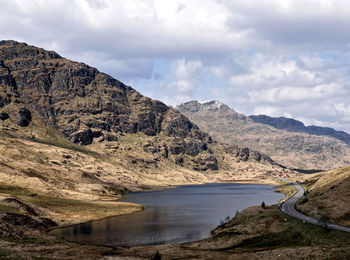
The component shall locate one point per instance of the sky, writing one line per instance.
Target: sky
(276, 57)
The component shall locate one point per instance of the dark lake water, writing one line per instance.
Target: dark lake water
(178, 215)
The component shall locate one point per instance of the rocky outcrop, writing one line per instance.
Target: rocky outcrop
(83, 137)
(178, 146)
(10, 221)
(206, 162)
(23, 117)
(190, 147)
(4, 116)
(245, 154)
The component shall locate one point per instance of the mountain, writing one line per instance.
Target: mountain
(295, 149)
(293, 125)
(69, 130)
(82, 103)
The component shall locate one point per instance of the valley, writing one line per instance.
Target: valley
(74, 140)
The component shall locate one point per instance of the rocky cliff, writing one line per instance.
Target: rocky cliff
(285, 140)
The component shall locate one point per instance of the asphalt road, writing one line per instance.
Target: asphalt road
(288, 207)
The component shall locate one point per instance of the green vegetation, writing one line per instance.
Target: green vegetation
(8, 209)
(63, 209)
(311, 171)
(13, 190)
(286, 189)
(269, 229)
(275, 240)
(63, 143)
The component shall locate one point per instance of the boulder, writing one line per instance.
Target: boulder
(83, 137)
(177, 146)
(23, 117)
(179, 161)
(151, 147)
(194, 147)
(4, 116)
(206, 162)
(255, 155)
(165, 151)
(110, 138)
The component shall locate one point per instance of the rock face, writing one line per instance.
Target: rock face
(287, 141)
(79, 100)
(245, 154)
(206, 162)
(192, 147)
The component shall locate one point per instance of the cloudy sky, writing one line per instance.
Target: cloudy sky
(277, 57)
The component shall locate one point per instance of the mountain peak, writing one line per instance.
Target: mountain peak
(12, 50)
(196, 106)
(214, 104)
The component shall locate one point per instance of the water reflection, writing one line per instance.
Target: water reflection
(177, 215)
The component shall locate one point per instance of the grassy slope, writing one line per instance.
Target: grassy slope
(328, 194)
(62, 210)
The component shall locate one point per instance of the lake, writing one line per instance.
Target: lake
(177, 215)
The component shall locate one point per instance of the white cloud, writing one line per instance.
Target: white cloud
(184, 72)
(342, 109)
(295, 94)
(265, 110)
(185, 69)
(287, 57)
(272, 72)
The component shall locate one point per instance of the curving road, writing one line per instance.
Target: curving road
(288, 207)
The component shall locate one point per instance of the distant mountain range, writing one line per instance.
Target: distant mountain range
(292, 125)
(286, 140)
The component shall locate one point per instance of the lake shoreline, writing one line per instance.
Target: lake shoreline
(83, 250)
(242, 194)
(160, 188)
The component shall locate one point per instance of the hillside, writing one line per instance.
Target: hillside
(293, 149)
(328, 194)
(70, 131)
